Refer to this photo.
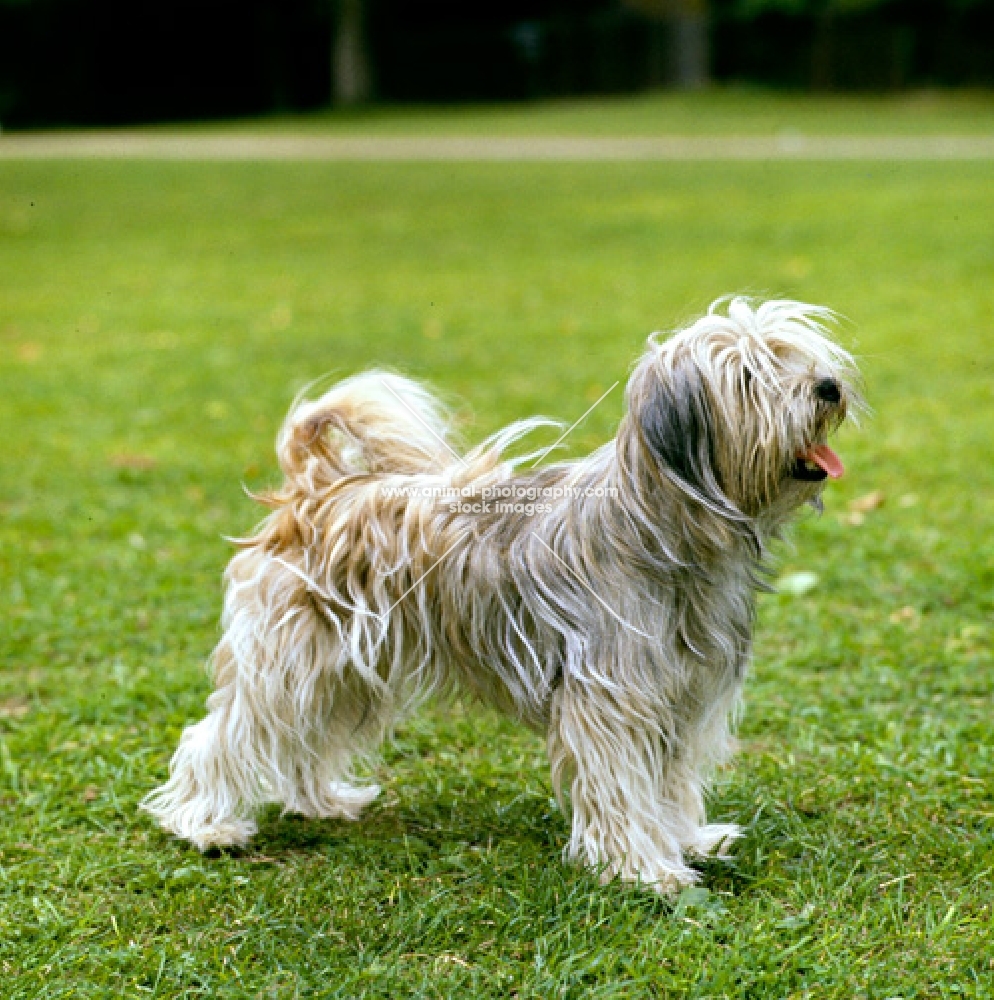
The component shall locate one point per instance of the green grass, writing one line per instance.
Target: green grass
(725, 111)
(156, 321)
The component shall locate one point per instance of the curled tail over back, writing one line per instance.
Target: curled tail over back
(375, 423)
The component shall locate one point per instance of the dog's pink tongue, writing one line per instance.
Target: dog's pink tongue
(826, 459)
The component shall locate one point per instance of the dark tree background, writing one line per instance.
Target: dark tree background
(111, 62)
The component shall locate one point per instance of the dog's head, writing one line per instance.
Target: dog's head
(736, 410)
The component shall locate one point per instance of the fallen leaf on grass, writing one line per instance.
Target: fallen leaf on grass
(797, 584)
(869, 502)
(906, 616)
(133, 461)
(861, 506)
(15, 708)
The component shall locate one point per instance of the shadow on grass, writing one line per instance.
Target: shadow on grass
(530, 821)
(457, 836)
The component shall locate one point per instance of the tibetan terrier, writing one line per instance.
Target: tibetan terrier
(607, 602)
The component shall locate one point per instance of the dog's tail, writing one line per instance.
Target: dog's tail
(376, 423)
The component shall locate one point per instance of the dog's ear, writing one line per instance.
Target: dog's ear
(678, 425)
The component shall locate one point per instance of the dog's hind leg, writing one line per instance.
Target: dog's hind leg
(282, 725)
(214, 781)
(247, 752)
(315, 783)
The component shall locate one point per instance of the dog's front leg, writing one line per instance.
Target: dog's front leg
(628, 820)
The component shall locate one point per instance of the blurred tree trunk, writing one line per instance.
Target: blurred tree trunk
(350, 60)
(690, 45)
(686, 22)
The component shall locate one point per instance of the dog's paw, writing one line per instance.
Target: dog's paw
(714, 840)
(203, 822)
(672, 883)
(667, 879)
(664, 876)
(229, 833)
(337, 800)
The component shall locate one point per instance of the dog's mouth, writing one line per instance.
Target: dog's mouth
(817, 463)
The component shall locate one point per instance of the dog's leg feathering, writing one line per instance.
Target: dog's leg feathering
(703, 750)
(713, 840)
(211, 789)
(283, 725)
(624, 821)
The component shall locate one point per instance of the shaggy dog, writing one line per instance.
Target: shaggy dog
(607, 602)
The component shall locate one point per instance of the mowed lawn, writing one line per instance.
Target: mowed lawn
(155, 322)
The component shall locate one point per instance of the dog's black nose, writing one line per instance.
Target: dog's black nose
(828, 390)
